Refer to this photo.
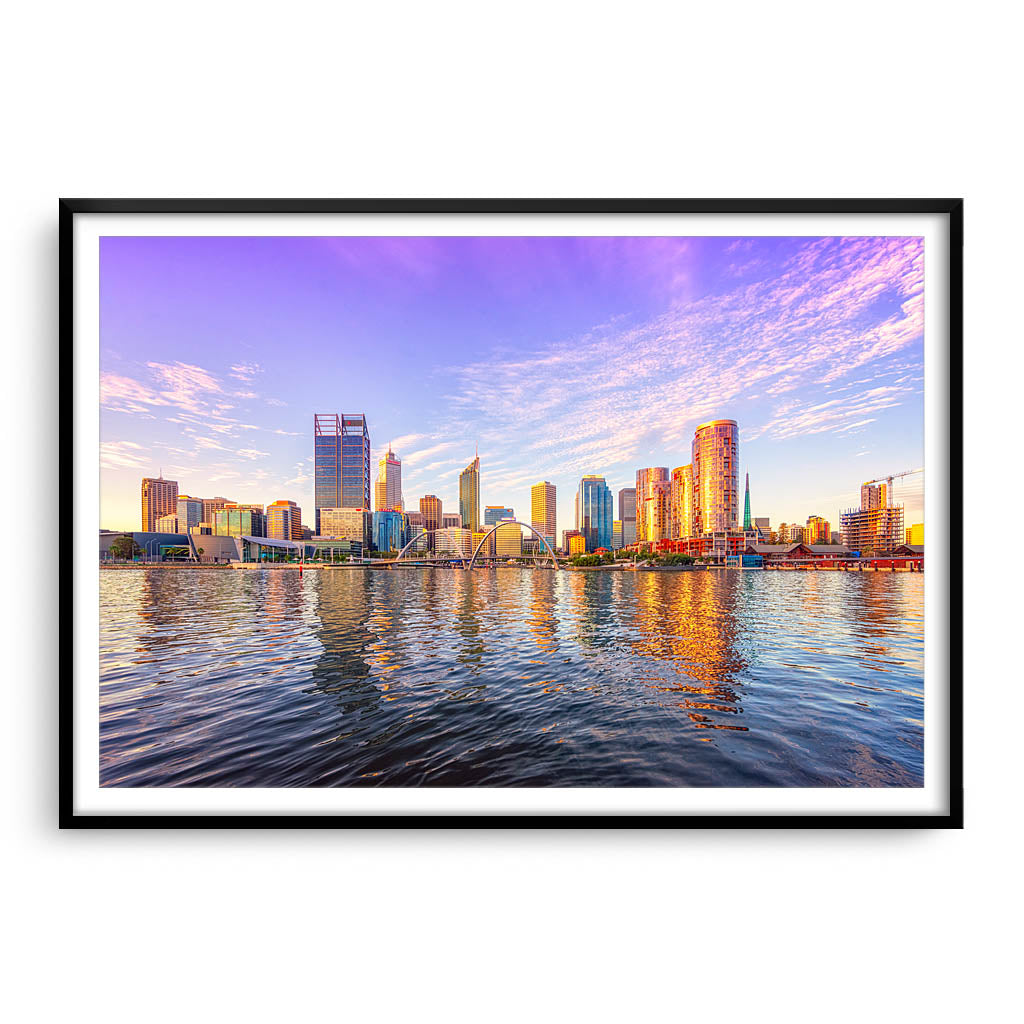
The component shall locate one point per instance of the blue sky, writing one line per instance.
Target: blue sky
(557, 356)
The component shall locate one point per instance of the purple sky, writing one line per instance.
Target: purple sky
(558, 356)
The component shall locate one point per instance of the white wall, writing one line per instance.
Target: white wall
(875, 99)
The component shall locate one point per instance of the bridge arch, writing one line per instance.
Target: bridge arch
(431, 555)
(512, 522)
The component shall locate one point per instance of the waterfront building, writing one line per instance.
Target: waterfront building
(916, 535)
(577, 544)
(240, 521)
(345, 523)
(682, 521)
(616, 534)
(451, 519)
(390, 529)
(341, 462)
(715, 463)
(873, 531)
(796, 534)
(388, 488)
(284, 521)
(594, 511)
(168, 524)
(542, 511)
(211, 505)
(818, 530)
(747, 524)
(509, 540)
(469, 495)
(567, 536)
(189, 511)
(645, 479)
(654, 514)
(159, 498)
(495, 513)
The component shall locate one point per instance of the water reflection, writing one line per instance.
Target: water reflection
(510, 677)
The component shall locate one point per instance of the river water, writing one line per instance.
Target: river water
(510, 677)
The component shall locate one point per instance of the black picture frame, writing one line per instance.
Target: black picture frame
(952, 209)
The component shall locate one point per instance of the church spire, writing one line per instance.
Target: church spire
(747, 524)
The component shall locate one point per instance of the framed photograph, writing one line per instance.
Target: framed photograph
(517, 513)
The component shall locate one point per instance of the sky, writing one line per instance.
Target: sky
(557, 357)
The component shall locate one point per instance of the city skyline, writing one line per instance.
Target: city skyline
(813, 345)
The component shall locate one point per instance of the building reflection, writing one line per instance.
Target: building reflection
(541, 621)
(687, 634)
(346, 666)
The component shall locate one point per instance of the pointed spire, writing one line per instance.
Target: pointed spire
(747, 524)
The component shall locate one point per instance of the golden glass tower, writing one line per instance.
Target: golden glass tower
(469, 495)
(542, 510)
(716, 476)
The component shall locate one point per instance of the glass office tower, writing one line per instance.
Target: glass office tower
(469, 495)
(341, 461)
(594, 512)
(716, 476)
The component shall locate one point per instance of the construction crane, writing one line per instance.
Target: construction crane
(887, 480)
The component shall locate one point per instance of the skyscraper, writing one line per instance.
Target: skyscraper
(469, 495)
(747, 524)
(594, 512)
(681, 513)
(388, 490)
(645, 491)
(494, 514)
(818, 531)
(341, 462)
(430, 508)
(190, 512)
(284, 520)
(542, 510)
(716, 476)
(627, 515)
(159, 498)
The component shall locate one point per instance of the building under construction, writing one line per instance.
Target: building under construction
(873, 531)
(876, 528)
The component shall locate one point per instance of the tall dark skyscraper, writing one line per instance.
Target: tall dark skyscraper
(594, 512)
(341, 461)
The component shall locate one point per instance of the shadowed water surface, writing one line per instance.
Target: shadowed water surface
(510, 677)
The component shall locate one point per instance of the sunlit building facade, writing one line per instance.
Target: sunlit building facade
(168, 523)
(211, 505)
(616, 534)
(355, 524)
(873, 531)
(284, 520)
(159, 498)
(542, 511)
(431, 510)
(509, 540)
(682, 517)
(817, 531)
(654, 514)
(240, 521)
(469, 495)
(645, 480)
(456, 541)
(715, 467)
(388, 487)
(873, 496)
(189, 511)
(594, 514)
(577, 544)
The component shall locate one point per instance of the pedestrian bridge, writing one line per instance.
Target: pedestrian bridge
(450, 546)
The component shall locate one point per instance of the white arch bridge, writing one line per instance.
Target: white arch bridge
(448, 546)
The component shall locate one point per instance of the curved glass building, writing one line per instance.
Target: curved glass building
(716, 480)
